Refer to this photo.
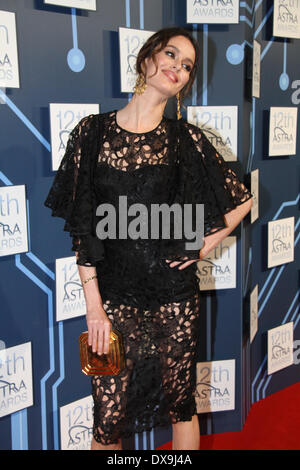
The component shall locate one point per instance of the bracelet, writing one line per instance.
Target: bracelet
(88, 279)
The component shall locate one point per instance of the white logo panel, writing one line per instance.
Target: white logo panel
(70, 300)
(282, 131)
(76, 424)
(280, 347)
(256, 69)
(280, 241)
(218, 270)
(63, 118)
(13, 223)
(255, 192)
(9, 68)
(215, 389)
(15, 379)
(253, 312)
(131, 41)
(286, 18)
(219, 124)
(212, 11)
(83, 4)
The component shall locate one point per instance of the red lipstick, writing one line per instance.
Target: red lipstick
(171, 75)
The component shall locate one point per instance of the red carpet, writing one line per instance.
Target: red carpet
(272, 424)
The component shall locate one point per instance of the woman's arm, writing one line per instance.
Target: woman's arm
(99, 325)
(232, 220)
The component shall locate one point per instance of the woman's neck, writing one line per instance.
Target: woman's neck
(142, 113)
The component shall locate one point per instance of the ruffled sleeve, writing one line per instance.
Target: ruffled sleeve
(72, 195)
(204, 178)
(214, 183)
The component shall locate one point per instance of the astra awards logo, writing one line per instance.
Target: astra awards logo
(283, 131)
(13, 220)
(280, 347)
(280, 241)
(76, 424)
(70, 301)
(218, 271)
(10, 235)
(9, 72)
(63, 118)
(130, 41)
(278, 246)
(15, 379)
(286, 18)
(215, 389)
(222, 144)
(285, 13)
(219, 124)
(212, 11)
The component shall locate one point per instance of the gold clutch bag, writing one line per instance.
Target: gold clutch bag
(106, 364)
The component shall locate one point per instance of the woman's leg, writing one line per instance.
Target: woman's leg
(186, 435)
(110, 392)
(97, 446)
(178, 322)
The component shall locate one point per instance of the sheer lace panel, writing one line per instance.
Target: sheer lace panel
(126, 150)
(157, 386)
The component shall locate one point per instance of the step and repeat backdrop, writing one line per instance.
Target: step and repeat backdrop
(61, 60)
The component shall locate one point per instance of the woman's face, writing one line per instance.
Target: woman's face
(174, 65)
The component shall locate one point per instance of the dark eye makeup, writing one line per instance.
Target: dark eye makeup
(187, 67)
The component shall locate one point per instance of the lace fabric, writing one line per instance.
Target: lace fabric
(157, 386)
(71, 195)
(129, 151)
(155, 307)
(202, 177)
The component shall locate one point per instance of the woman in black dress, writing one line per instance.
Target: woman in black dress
(146, 288)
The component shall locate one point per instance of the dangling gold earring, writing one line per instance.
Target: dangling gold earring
(178, 106)
(140, 85)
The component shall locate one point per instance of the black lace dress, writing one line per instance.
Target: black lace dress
(156, 307)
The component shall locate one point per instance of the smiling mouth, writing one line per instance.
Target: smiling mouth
(171, 76)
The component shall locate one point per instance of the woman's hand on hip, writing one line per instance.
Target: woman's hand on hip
(182, 264)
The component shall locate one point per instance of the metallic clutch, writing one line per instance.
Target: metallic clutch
(106, 364)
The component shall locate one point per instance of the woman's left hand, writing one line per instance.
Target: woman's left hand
(181, 263)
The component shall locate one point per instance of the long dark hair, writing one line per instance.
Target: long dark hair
(157, 42)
